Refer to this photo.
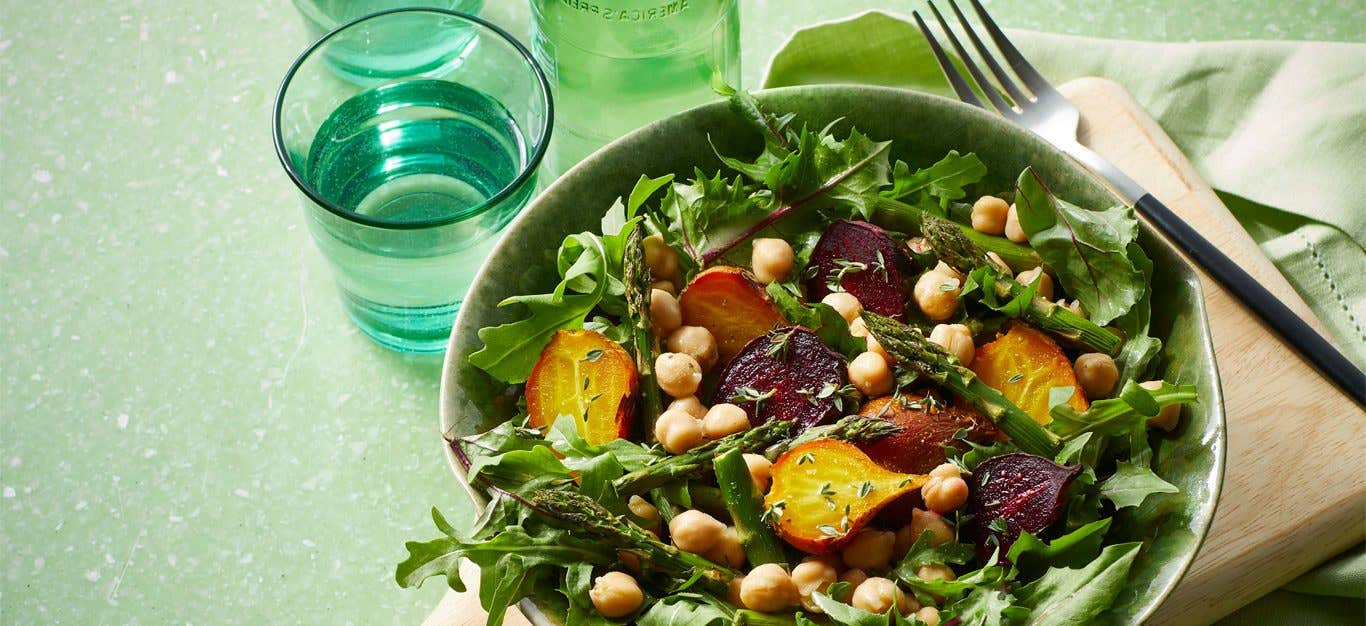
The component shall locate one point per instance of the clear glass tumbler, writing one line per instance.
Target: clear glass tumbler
(415, 41)
(616, 65)
(406, 183)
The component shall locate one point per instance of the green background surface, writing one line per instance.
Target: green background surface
(190, 428)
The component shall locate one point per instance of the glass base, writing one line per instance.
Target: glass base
(416, 330)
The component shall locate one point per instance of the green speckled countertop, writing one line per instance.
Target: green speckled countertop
(191, 431)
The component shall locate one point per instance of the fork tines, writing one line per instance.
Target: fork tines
(1006, 85)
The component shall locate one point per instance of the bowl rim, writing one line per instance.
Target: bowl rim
(1187, 273)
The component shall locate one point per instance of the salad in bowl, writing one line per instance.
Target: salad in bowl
(818, 384)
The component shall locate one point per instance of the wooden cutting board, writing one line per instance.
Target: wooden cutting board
(1295, 485)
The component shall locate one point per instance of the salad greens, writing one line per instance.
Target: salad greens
(565, 507)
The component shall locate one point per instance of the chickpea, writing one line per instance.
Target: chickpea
(854, 577)
(1013, 230)
(813, 575)
(733, 590)
(935, 571)
(876, 348)
(936, 293)
(956, 339)
(728, 550)
(989, 215)
(678, 374)
(760, 469)
(878, 595)
(662, 259)
(921, 520)
(771, 260)
(1169, 416)
(664, 285)
(845, 303)
(616, 594)
(678, 432)
(871, 549)
(1097, 374)
(1028, 277)
(641, 508)
(944, 494)
(768, 589)
(869, 373)
(696, 532)
(946, 470)
(858, 327)
(665, 316)
(929, 615)
(696, 342)
(690, 405)
(724, 419)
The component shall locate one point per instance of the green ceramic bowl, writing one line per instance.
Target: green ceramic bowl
(923, 128)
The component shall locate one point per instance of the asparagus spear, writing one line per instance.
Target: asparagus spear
(852, 428)
(964, 255)
(913, 350)
(906, 218)
(636, 275)
(582, 513)
(746, 506)
(698, 460)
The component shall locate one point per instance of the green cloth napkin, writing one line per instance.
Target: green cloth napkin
(1277, 128)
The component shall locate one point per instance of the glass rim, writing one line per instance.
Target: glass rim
(512, 187)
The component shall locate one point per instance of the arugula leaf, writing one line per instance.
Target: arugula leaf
(513, 458)
(982, 282)
(809, 168)
(686, 609)
(1139, 349)
(990, 574)
(512, 562)
(564, 437)
(578, 580)
(511, 350)
(846, 615)
(976, 453)
(938, 183)
(1066, 597)
(691, 210)
(820, 318)
(986, 606)
(923, 552)
(1132, 483)
(1032, 555)
(1120, 415)
(590, 269)
(1086, 250)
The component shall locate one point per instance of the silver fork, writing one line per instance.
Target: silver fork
(1037, 105)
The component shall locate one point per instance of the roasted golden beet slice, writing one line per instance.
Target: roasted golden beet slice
(825, 491)
(584, 374)
(786, 374)
(926, 427)
(1026, 493)
(732, 305)
(863, 260)
(1024, 365)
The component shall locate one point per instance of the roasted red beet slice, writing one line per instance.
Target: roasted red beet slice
(786, 367)
(1024, 491)
(878, 286)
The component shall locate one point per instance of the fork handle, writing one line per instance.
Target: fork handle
(1326, 358)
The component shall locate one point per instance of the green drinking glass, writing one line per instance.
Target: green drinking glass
(616, 65)
(407, 179)
(414, 41)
